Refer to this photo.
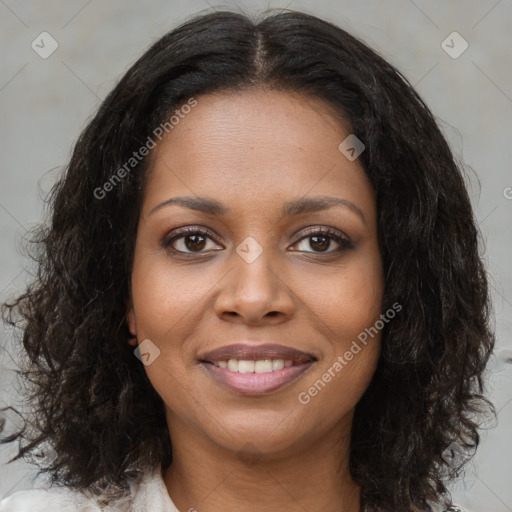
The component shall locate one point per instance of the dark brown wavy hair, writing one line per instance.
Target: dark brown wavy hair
(90, 398)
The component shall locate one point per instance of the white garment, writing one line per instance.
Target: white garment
(148, 493)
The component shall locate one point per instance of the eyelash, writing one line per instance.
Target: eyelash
(331, 233)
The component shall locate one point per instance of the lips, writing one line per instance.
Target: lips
(244, 351)
(288, 364)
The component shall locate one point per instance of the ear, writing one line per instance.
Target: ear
(130, 318)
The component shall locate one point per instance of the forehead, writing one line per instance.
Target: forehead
(257, 144)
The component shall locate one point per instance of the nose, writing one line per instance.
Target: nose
(255, 292)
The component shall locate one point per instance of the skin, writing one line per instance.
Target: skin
(253, 151)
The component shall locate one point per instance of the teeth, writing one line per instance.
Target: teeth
(264, 366)
(233, 365)
(246, 366)
(260, 366)
(277, 364)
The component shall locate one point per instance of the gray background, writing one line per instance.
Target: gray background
(46, 103)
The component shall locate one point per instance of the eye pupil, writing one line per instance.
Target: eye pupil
(324, 246)
(194, 245)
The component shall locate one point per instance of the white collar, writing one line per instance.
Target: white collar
(150, 493)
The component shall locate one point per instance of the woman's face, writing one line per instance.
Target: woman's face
(261, 270)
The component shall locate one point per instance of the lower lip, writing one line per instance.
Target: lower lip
(256, 383)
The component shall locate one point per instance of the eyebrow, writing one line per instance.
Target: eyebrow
(297, 207)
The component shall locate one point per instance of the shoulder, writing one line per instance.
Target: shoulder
(57, 499)
(147, 493)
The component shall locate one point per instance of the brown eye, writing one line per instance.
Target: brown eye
(321, 240)
(188, 240)
(194, 242)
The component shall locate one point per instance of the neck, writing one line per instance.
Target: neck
(207, 477)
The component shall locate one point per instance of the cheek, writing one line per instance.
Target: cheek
(163, 296)
(335, 392)
(168, 307)
(349, 299)
(350, 307)
(346, 308)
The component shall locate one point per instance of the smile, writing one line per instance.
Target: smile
(254, 369)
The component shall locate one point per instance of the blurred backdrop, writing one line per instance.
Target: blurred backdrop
(59, 59)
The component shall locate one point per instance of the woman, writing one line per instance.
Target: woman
(261, 273)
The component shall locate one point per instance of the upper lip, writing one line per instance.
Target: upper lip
(251, 352)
